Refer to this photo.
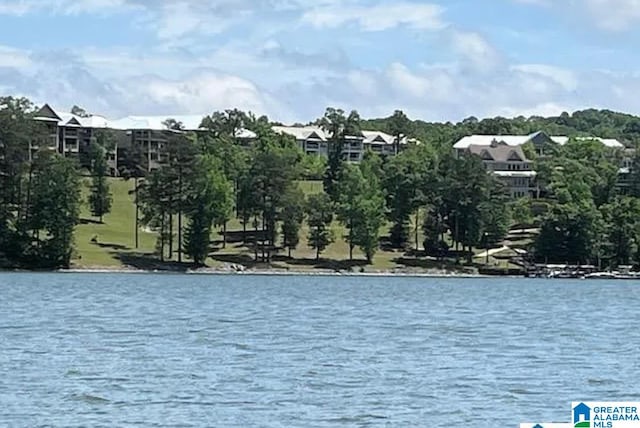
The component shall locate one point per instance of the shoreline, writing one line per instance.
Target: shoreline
(256, 272)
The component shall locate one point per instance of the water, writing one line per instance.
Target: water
(196, 351)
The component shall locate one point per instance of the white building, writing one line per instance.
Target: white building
(315, 141)
(510, 165)
(71, 135)
(504, 156)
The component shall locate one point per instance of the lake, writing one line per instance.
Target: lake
(285, 351)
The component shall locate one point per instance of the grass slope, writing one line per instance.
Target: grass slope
(114, 245)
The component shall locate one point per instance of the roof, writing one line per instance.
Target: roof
(302, 132)
(317, 133)
(516, 174)
(499, 152)
(487, 140)
(519, 140)
(153, 123)
(379, 137)
(607, 142)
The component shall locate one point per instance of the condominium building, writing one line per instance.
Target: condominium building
(510, 165)
(315, 141)
(147, 136)
(71, 135)
(504, 156)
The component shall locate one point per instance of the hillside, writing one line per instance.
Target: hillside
(591, 122)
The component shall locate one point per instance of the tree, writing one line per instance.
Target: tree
(17, 132)
(55, 209)
(400, 127)
(370, 207)
(154, 196)
(350, 190)
(173, 124)
(227, 123)
(79, 111)
(339, 127)
(569, 233)
(621, 229)
(100, 197)
(274, 167)
(409, 181)
(465, 189)
(292, 217)
(319, 217)
(521, 212)
(209, 199)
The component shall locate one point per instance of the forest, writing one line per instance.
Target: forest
(207, 179)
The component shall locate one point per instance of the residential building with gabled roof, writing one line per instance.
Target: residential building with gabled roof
(71, 135)
(311, 140)
(504, 156)
(510, 164)
(315, 141)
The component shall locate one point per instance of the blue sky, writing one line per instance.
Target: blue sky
(436, 60)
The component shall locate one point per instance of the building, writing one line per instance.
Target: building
(504, 156)
(540, 141)
(71, 135)
(311, 140)
(148, 136)
(315, 141)
(510, 165)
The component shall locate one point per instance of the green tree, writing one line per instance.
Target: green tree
(569, 233)
(370, 204)
(340, 128)
(621, 222)
(410, 182)
(155, 196)
(400, 126)
(521, 212)
(55, 207)
(319, 217)
(350, 190)
(292, 217)
(273, 170)
(209, 199)
(100, 198)
(17, 131)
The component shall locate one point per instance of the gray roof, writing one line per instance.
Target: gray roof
(499, 152)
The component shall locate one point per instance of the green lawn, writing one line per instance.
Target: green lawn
(116, 235)
(114, 244)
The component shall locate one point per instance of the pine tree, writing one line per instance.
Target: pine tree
(100, 199)
(320, 215)
(55, 207)
(292, 217)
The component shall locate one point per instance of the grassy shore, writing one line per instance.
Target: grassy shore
(111, 245)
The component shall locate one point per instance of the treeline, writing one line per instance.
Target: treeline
(208, 178)
(40, 191)
(585, 123)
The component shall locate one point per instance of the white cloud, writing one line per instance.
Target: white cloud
(203, 92)
(22, 7)
(607, 15)
(614, 15)
(566, 78)
(13, 58)
(419, 16)
(475, 49)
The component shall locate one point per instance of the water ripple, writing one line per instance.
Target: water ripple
(163, 351)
